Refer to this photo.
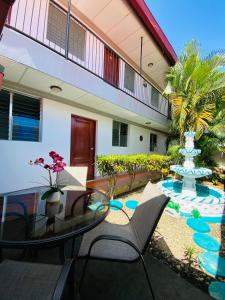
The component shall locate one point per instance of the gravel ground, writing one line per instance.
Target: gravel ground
(170, 241)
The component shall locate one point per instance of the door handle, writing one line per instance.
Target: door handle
(91, 148)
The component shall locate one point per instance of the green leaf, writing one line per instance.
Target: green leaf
(47, 194)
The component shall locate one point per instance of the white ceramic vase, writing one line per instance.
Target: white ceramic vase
(53, 197)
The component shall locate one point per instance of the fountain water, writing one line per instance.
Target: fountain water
(187, 195)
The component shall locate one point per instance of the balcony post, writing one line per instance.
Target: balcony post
(68, 29)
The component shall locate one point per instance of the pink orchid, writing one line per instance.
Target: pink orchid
(39, 160)
(56, 167)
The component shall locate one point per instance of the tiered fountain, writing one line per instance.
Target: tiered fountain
(187, 195)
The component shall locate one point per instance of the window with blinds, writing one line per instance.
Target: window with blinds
(153, 142)
(56, 32)
(77, 40)
(119, 134)
(4, 114)
(129, 76)
(24, 115)
(56, 28)
(155, 97)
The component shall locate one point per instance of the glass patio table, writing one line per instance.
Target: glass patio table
(27, 221)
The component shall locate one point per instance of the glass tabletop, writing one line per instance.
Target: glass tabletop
(27, 219)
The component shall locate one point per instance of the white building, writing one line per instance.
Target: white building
(77, 82)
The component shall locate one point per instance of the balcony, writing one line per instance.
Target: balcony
(51, 25)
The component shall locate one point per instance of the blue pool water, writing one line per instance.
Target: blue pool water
(202, 191)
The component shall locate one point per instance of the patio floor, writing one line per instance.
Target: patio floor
(121, 281)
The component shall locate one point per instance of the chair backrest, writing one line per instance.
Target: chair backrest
(147, 192)
(147, 215)
(73, 178)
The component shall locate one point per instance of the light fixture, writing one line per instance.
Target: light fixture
(145, 84)
(151, 64)
(55, 88)
(148, 123)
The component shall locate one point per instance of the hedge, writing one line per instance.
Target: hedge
(112, 165)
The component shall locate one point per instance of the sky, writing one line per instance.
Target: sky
(185, 20)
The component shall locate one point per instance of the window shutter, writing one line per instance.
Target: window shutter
(4, 114)
(129, 78)
(26, 118)
(77, 40)
(155, 97)
(56, 28)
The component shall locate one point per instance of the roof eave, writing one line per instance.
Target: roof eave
(143, 12)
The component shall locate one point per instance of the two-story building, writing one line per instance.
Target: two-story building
(83, 78)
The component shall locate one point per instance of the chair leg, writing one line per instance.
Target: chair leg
(83, 273)
(147, 277)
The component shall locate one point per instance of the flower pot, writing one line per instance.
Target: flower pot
(53, 197)
(53, 209)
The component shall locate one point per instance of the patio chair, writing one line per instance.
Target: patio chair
(73, 178)
(129, 242)
(33, 281)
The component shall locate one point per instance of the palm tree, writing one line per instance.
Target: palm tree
(196, 89)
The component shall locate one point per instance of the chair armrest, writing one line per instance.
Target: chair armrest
(113, 238)
(112, 205)
(66, 272)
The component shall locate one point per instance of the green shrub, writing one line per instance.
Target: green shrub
(112, 165)
(215, 178)
(173, 152)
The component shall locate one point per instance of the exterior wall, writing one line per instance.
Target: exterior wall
(16, 173)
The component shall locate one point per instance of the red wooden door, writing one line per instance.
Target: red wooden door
(83, 143)
(111, 67)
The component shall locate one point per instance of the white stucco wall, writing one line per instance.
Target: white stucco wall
(16, 173)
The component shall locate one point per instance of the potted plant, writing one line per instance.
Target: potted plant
(53, 194)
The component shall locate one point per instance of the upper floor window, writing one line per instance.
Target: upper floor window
(77, 40)
(153, 142)
(119, 134)
(155, 97)
(19, 117)
(56, 32)
(129, 77)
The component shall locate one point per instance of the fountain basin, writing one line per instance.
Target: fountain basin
(189, 152)
(190, 172)
(209, 201)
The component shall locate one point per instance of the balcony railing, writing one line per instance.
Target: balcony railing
(52, 25)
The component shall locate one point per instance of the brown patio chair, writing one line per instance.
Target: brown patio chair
(33, 281)
(129, 242)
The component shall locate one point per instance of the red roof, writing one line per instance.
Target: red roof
(143, 12)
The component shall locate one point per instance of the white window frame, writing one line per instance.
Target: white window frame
(11, 93)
